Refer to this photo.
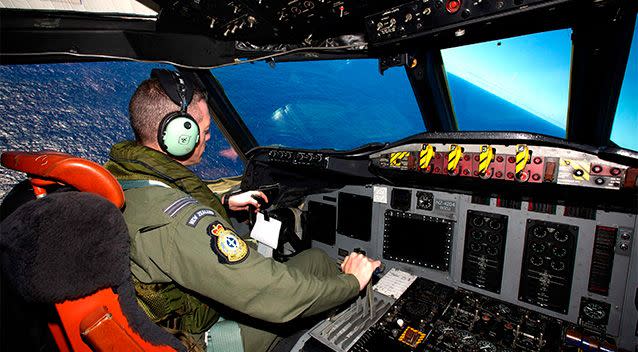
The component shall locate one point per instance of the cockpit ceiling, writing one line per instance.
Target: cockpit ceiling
(126, 7)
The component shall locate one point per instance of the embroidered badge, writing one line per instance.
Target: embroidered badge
(198, 215)
(229, 247)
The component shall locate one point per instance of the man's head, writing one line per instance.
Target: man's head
(150, 104)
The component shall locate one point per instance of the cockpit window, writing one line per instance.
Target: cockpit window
(338, 104)
(625, 126)
(82, 109)
(514, 84)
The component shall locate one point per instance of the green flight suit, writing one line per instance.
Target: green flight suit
(167, 248)
(172, 241)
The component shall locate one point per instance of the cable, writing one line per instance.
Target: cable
(236, 62)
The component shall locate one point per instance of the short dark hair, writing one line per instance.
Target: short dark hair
(148, 106)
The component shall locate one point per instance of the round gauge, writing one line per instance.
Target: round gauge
(478, 221)
(486, 346)
(538, 247)
(495, 225)
(476, 247)
(492, 250)
(593, 311)
(536, 260)
(539, 232)
(561, 236)
(415, 309)
(494, 238)
(424, 200)
(559, 252)
(465, 338)
(558, 265)
(527, 343)
(477, 234)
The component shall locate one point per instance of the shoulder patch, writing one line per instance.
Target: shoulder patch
(193, 220)
(178, 205)
(229, 247)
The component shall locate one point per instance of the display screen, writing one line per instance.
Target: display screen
(355, 216)
(321, 221)
(417, 239)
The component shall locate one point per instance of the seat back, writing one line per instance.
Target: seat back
(97, 310)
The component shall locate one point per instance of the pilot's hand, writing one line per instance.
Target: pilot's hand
(360, 266)
(243, 201)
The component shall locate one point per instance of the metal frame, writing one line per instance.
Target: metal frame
(226, 117)
(429, 83)
(601, 43)
(602, 38)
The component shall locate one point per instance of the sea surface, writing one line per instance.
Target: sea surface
(81, 109)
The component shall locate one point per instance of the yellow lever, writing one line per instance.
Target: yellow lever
(453, 157)
(425, 156)
(522, 158)
(485, 158)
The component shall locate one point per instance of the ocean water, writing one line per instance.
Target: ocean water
(479, 110)
(345, 104)
(81, 109)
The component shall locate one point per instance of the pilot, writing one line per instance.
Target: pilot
(187, 261)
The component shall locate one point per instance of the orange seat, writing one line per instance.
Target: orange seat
(96, 321)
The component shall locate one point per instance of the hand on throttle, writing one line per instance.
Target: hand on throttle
(361, 267)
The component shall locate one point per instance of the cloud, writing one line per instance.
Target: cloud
(281, 112)
(229, 153)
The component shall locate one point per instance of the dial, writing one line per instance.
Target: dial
(538, 247)
(561, 236)
(492, 250)
(539, 232)
(536, 260)
(486, 346)
(424, 200)
(594, 311)
(477, 234)
(559, 252)
(478, 221)
(495, 225)
(558, 265)
(494, 238)
(465, 338)
(415, 309)
(476, 247)
(527, 344)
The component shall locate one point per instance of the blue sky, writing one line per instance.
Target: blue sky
(625, 129)
(532, 72)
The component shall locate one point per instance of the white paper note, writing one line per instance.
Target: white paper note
(394, 283)
(266, 232)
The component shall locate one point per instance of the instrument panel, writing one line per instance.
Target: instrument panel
(533, 223)
(511, 163)
(554, 271)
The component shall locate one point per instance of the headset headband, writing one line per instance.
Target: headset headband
(176, 87)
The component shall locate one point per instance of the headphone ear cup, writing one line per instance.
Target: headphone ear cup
(178, 135)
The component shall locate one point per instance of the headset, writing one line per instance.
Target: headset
(178, 132)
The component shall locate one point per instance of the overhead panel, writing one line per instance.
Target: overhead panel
(129, 7)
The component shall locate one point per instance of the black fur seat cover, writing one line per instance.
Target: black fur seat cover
(69, 245)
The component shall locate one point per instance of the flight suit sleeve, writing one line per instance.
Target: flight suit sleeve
(247, 282)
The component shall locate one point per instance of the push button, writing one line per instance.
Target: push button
(453, 6)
